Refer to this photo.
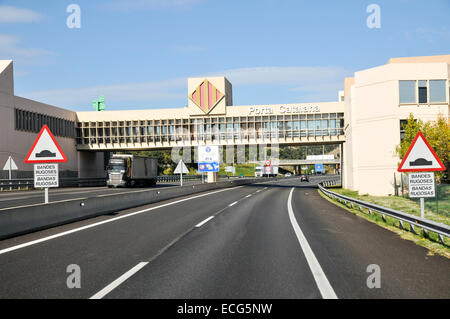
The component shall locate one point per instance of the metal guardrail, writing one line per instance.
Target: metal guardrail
(176, 178)
(13, 184)
(6, 184)
(414, 221)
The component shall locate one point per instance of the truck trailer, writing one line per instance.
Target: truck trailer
(125, 170)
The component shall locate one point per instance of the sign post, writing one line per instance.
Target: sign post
(420, 161)
(10, 166)
(421, 185)
(45, 153)
(208, 161)
(181, 169)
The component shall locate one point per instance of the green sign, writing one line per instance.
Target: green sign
(100, 104)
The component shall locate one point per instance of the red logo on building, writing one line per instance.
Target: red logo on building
(206, 96)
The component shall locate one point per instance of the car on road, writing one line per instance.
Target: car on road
(287, 175)
(304, 178)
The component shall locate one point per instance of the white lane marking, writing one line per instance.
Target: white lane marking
(322, 282)
(249, 195)
(102, 293)
(265, 187)
(232, 204)
(258, 191)
(6, 250)
(204, 222)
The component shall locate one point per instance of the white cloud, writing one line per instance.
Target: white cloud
(10, 14)
(313, 82)
(10, 49)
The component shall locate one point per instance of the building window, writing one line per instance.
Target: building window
(437, 91)
(407, 91)
(423, 95)
(32, 122)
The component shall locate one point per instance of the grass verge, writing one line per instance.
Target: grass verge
(403, 204)
(431, 242)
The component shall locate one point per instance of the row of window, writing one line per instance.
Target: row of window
(227, 137)
(423, 91)
(211, 120)
(152, 134)
(32, 122)
(207, 128)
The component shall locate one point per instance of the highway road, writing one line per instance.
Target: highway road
(269, 240)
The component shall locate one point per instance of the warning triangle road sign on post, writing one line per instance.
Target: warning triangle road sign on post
(45, 149)
(420, 157)
(10, 165)
(181, 168)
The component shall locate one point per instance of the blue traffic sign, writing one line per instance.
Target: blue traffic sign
(319, 168)
(208, 167)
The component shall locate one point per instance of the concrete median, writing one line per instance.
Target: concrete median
(22, 220)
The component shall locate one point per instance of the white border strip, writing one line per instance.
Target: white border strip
(322, 282)
(204, 222)
(102, 293)
(106, 221)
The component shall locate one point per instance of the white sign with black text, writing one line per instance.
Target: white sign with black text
(46, 175)
(421, 185)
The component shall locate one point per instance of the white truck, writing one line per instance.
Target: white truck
(127, 170)
(266, 171)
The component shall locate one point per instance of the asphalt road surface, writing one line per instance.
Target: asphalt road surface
(270, 240)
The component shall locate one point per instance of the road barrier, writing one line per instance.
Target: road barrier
(25, 219)
(414, 221)
(28, 183)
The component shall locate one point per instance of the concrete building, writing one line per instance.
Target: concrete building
(377, 100)
(21, 119)
(364, 121)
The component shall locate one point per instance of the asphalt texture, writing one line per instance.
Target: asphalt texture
(249, 249)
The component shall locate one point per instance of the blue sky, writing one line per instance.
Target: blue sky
(139, 53)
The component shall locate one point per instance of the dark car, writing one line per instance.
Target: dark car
(304, 178)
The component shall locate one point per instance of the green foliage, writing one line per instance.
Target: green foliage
(437, 134)
(165, 163)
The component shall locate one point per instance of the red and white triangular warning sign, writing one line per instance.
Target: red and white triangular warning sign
(45, 149)
(420, 157)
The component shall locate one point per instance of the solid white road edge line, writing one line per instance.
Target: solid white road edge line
(6, 250)
(322, 282)
(102, 293)
(204, 222)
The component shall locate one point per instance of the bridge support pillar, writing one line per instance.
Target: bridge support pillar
(212, 177)
(91, 164)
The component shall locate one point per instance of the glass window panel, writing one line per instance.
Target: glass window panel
(317, 124)
(437, 91)
(332, 123)
(423, 92)
(407, 91)
(303, 125)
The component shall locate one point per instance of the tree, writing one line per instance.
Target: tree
(437, 134)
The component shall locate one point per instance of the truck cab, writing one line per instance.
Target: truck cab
(116, 170)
